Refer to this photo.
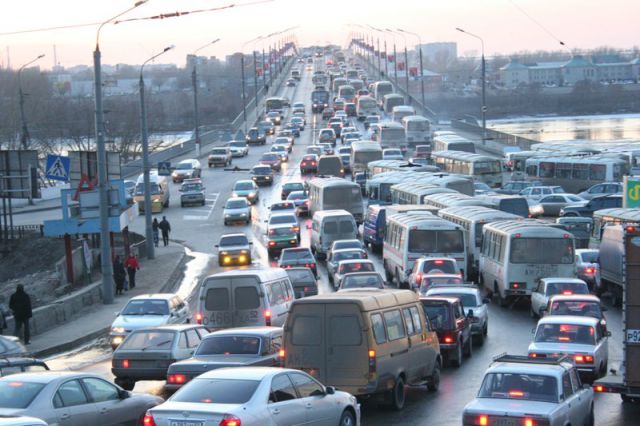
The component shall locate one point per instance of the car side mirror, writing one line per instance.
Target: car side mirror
(330, 390)
(116, 313)
(217, 246)
(470, 314)
(123, 394)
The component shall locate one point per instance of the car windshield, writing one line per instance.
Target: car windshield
(18, 395)
(304, 255)
(146, 307)
(438, 314)
(362, 281)
(235, 204)
(269, 157)
(238, 144)
(278, 148)
(527, 387)
(191, 187)
(297, 186)
(149, 340)
(243, 186)
(580, 308)
(221, 151)
(590, 256)
(347, 255)
(229, 345)
(297, 195)
(283, 141)
(261, 171)
(468, 300)
(567, 288)
(216, 391)
(565, 333)
(300, 275)
(184, 166)
(346, 268)
(282, 206)
(233, 240)
(282, 219)
(438, 266)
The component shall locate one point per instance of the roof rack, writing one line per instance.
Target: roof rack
(524, 359)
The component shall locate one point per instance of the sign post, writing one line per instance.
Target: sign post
(631, 197)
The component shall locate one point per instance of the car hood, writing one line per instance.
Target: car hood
(134, 322)
(208, 362)
(501, 407)
(236, 211)
(233, 248)
(559, 348)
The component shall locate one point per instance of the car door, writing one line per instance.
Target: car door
(109, 408)
(321, 409)
(602, 347)
(181, 349)
(193, 340)
(537, 298)
(571, 400)
(462, 322)
(421, 356)
(582, 400)
(73, 406)
(285, 408)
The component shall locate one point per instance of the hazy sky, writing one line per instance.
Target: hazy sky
(581, 24)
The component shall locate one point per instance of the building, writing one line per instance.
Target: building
(443, 52)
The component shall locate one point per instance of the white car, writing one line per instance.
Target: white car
(431, 266)
(351, 266)
(537, 192)
(284, 219)
(392, 154)
(256, 396)
(10, 420)
(282, 207)
(475, 306)
(518, 390)
(582, 338)
(548, 287)
(282, 140)
(282, 151)
(148, 310)
(238, 148)
(237, 210)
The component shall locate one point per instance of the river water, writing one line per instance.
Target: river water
(620, 128)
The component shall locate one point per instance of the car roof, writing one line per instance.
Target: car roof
(277, 214)
(569, 319)
(441, 276)
(262, 331)
(245, 373)
(169, 327)
(348, 261)
(518, 368)
(553, 280)
(436, 289)
(445, 299)
(165, 296)
(243, 181)
(235, 234)
(575, 297)
(45, 376)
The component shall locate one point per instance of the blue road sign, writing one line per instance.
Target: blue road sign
(58, 167)
(164, 168)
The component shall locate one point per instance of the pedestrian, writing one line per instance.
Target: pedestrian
(119, 274)
(20, 304)
(165, 227)
(156, 231)
(132, 266)
(4, 313)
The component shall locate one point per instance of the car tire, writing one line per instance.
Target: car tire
(480, 338)
(181, 204)
(434, 381)
(397, 394)
(347, 419)
(591, 419)
(457, 362)
(203, 203)
(468, 348)
(532, 312)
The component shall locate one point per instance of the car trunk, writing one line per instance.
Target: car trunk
(233, 302)
(143, 359)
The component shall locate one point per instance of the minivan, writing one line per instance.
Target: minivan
(330, 165)
(159, 192)
(365, 342)
(245, 297)
(329, 226)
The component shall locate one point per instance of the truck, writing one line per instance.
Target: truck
(319, 100)
(620, 268)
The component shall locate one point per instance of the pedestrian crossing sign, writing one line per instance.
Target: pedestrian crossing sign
(164, 168)
(58, 167)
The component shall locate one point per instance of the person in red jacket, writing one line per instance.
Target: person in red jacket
(132, 266)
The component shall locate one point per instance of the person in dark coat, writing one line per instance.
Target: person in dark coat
(119, 274)
(155, 227)
(20, 304)
(132, 266)
(165, 227)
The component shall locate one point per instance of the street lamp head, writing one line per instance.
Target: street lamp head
(166, 49)
(460, 29)
(215, 41)
(41, 56)
(140, 3)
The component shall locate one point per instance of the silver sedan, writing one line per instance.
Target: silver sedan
(256, 396)
(72, 399)
(552, 204)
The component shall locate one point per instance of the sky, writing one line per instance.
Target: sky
(506, 26)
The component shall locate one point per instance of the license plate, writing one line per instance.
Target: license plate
(185, 423)
(500, 422)
(633, 336)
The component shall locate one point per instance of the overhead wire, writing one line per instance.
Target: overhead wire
(538, 23)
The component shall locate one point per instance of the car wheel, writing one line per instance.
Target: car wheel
(181, 204)
(434, 382)
(590, 420)
(468, 348)
(397, 395)
(457, 362)
(480, 338)
(203, 203)
(532, 312)
(347, 419)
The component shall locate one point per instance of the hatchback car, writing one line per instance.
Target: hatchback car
(256, 396)
(147, 353)
(336, 126)
(186, 169)
(548, 287)
(351, 266)
(392, 154)
(230, 348)
(262, 175)
(300, 199)
(309, 164)
(272, 160)
(234, 249)
(192, 192)
(237, 210)
(247, 189)
(294, 129)
(282, 151)
(446, 315)
(289, 187)
(327, 113)
(552, 204)
(303, 280)
(148, 310)
(432, 266)
(298, 121)
(337, 256)
(76, 398)
(360, 280)
(299, 256)
(327, 135)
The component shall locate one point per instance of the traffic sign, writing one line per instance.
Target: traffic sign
(631, 192)
(58, 167)
(164, 168)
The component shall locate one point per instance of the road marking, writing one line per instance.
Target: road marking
(206, 211)
(214, 200)
(193, 217)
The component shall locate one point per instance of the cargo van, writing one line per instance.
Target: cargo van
(331, 225)
(330, 165)
(159, 192)
(244, 298)
(364, 342)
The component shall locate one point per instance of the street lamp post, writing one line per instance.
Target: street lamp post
(406, 64)
(103, 184)
(24, 137)
(395, 57)
(484, 85)
(145, 161)
(194, 82)
(421, 67)
(386, 63)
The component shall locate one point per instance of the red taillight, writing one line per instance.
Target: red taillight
(516, 393)
(176, 379)
(438, 262)
(528, 422)
(267, 317)
(125, 363)
(310, 265)
(272, 243)
(590, 270)
(281, 357)
(567, 293)
(582, 359)
(296, 228)
(372, 361)
(229, 420)
(147, 420)
(514, 285)
(630, 228)
(418, 278)
(533, 355)
(599, 388)
(448, 339)
(199, 318)
(483, 420)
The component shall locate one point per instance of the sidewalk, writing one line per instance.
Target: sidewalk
(155, 276)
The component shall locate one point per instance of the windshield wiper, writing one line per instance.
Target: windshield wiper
(156, 345)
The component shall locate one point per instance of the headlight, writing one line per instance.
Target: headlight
(174, 174)
(227, 259)
(156, 200)
(243, 214)
(242, 258)
(117, 340)
(117, 329)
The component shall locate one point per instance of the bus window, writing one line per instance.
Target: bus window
(597, 172)
(547, 169)
(581, 171)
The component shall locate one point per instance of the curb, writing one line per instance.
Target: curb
(174, 278)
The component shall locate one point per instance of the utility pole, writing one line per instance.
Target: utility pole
(194, 83)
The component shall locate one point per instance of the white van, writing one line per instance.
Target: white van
(329, 226)
(366, 106)
(401, 111)
(245, 297)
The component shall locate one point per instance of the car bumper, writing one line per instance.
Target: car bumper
(236, 218)
(279, 245)
(192, 199)
(152, 373)
(234, 259)
(263, 181)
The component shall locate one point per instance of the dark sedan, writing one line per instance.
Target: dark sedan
(233, 347)
(309, 164)
(272, 160)
(299, 256)
(303, 281)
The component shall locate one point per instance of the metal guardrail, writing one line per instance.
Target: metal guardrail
(496, 138)
(20, 231)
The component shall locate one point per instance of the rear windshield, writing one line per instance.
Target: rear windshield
(283, 219)
(281, 232)
(427, 241)
(217, 391)
(16, 394)
(360, 281)
(439, 266)
(340, 245)
(565, 333)
(297, 275)
(149, 340)
(282, 206)
(346, 268)
(261, 170)
(438, 314)
(146, 307)
(528, 387)
(190, 187)
(293, 186)
(468, 300)
(347, 255)
(590, 256)
(243, 185)
(229, 345)
(296, 255)
(577, 308)
(567, 288)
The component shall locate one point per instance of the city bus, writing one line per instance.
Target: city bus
(412, 192)
(444, 200)
(576, 174)
(319, 100)
(362, 154)
(401, 111)
(347, 92)
(391, 100)
(412, 235)
(481, 168)
(383, 166)
(460, 183)
(334, 194)
(472, 219)
(375, 223)
(381, 88)
(449, 142)
(274, 104)
(391, 135)
(378, 188)
(337, 82)
(515, 255)
(615, 216)
(417, 130)
(365, 106)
